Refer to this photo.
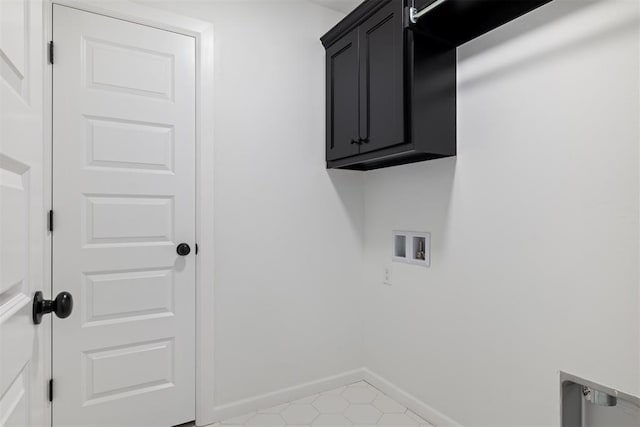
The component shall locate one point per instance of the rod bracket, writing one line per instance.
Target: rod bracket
(412, 15)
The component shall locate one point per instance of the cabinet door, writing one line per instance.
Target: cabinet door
(342, 97)
(381, 79)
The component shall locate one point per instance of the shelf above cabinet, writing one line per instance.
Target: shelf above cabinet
(459, 21)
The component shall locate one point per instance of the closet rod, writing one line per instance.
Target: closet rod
(415, 14)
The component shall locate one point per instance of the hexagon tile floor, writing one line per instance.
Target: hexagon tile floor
(359, 404)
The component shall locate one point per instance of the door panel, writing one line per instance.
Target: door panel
(381, 79)
(342, 97)
(147, 73)
(133, 146)
(23, 353)
(124, 198)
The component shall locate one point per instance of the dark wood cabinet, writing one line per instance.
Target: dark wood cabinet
(371, 91)
(343, 98)
(381, 79)
(391, 83)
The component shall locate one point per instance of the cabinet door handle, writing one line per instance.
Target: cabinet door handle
(355, 141)
(364, 140)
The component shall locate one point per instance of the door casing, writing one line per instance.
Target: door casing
(203, 34)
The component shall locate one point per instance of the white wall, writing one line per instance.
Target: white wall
(534, 226)
(288, 233)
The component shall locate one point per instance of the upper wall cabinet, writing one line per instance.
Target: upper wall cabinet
(391, 82)
(375, 85)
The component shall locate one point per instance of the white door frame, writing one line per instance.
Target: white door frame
(203, 34)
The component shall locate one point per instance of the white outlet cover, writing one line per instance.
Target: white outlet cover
(388, 276)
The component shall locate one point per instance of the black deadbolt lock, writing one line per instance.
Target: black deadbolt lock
(183, 249)
(62, 306)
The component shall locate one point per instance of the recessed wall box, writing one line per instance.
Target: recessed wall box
(412, 247)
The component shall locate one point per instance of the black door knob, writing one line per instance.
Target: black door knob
(183, 249)
(62, 306)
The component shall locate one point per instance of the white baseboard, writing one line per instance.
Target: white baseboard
(278, 397)
(406, 399)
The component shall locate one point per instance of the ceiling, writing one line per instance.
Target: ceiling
(344, 6)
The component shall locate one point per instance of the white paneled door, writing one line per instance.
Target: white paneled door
(124, 201)
(23, 356)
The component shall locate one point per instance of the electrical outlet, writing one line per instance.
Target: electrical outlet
(387, 276)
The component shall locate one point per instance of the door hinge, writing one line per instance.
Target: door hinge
(50, 221)
(51, 390)
(196, 249)
(51, 52)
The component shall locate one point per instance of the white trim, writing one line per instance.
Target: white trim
(427, 412)
(285, 395)
(145, 15)
(289, 394)
(47, 156)
(203, 33)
